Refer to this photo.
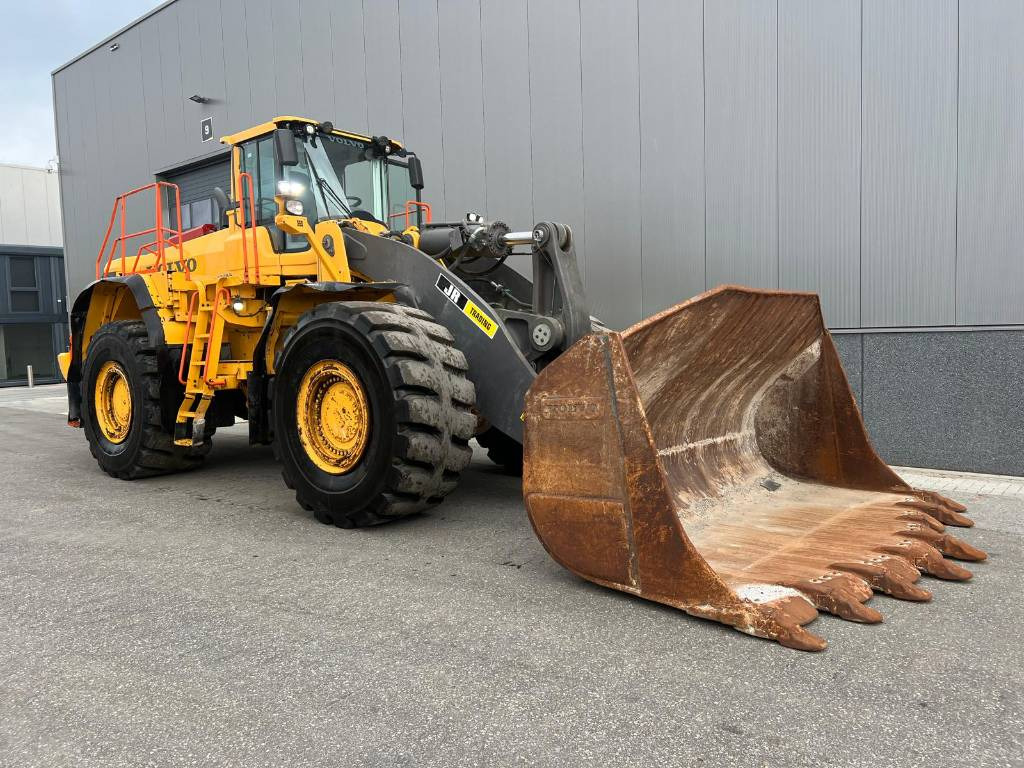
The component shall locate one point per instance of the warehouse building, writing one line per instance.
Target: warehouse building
(33, 302)
(868, 150)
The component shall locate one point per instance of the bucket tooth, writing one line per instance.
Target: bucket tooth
(946, 543)
(940, 500)
(924, 519)
(890, 574)
(712, 458)
(940, 512)
(841, 594)
(928, 560)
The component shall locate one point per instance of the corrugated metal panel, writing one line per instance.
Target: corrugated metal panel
(259, 39)
(53, 209)
(152, 101)
(493, 100)
(383, 67)
(190, 19)
(740, 78)
(13, 224)
(421, 92)
(990, 232)
(505, 48)
(168, 30)
(671, 151)
(611, 160)
(29, 214)
(556, 116)
(288, 58)
(819, 154)
(32, 186)
(462, 107)
(236, 67)
(319, 38)
(354, 80)
(909, 175)
(212, 77)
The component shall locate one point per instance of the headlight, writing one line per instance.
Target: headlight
(293, 207)
(290, 188)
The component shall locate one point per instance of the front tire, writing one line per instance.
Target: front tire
(371, 411)
(125, 395)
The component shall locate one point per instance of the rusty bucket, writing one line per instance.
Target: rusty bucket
(712, 458)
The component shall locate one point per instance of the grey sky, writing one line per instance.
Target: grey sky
(41, 35)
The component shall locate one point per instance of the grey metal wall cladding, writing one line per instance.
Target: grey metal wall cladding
(819, 154)
(556, 117)
(504, 84)
(793, 143)
(611, 159)
(741, 142)
(462, 101)
(671, 151)
(909, 173)
(990, 231)
(922, 393)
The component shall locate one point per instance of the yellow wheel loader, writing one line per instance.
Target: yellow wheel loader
(711, 457)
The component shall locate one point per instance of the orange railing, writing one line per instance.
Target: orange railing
(192, 302)
(247, 177)
(411, 206)
(164, 235)
(209, 340)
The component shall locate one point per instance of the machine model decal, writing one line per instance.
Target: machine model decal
(469, 309)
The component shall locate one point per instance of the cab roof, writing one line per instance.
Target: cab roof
(262, 128)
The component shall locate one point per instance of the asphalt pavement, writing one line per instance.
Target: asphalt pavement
(205, 619)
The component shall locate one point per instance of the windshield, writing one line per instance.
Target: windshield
(343, 180)
(348, 181)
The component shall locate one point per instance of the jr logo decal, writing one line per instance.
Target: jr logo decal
(480, 318)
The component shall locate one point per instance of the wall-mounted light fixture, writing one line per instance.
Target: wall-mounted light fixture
(113, 47)
(198, 99)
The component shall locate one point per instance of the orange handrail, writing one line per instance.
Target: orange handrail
(209, 340)
(192, 302)
(410, 207)
(164, 234)
(247, 177)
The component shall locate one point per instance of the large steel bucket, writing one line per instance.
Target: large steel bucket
(712, 458)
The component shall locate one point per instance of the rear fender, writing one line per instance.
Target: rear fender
(103, 301)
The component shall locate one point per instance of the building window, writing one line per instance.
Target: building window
(195, 214)
(23, 284)
(25, 344)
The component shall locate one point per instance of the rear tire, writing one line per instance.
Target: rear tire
(502, 450)
(147, 447)
(417, 402)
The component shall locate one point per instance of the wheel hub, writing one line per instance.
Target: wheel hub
(333, 416)
(113, 400)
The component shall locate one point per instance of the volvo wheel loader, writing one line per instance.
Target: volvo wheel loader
(711, 457)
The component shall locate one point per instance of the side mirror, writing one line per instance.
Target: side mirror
(284, 143)
(221, 199)
(415, 172)
(220, 216)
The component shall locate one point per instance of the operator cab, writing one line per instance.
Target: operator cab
(322, 173)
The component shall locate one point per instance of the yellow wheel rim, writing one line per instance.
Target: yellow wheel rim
(113, 399)
(333, 416)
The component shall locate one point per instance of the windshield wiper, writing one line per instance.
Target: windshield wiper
(321, 182)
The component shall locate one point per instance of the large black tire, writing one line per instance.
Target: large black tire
(419, 402)
(502, 450)
(149, 448)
